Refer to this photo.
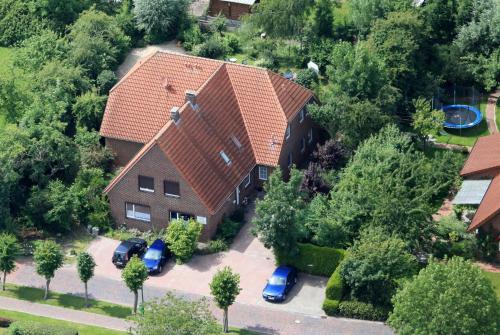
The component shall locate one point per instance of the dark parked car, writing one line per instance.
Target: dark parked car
(280, 283)
(128, 248)
(156, 256)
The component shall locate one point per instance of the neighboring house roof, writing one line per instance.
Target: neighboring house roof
(485, 155)
(490, 205)
(240, 110)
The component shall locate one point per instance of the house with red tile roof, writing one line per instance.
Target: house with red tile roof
(196, 136)
(481, 186)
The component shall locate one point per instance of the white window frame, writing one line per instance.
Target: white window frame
(201, 219)
(134, 216)
(301, 115)
(247, 181)
(225, 158)
(169, 194)
(302, 144)
(290, 159)
(288, 131)
(263, 172)
(179, 217)
(310, 136)
(144, 189)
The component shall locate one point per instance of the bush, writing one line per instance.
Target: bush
(36, 328)
(321, 261)
(228, 230)
(182, 238)
(217, 246)
(306, 78)
(191, 37)
(214, 48)
(362, 310)
(335, 286)
(331, 307)
(5, 323)
(233, 44)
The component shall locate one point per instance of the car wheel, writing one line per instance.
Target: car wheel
(284, 297)
(159, 269)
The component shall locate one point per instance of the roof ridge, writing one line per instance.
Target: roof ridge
(276, 96)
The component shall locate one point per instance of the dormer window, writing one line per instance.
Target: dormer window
(288, 132)
(225, 157)
(301, 115)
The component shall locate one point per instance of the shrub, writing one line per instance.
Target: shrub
(191, 37)
(182, 237)
(362, 310)
(306, 78)
(36, 328)
(217, 246)
(5, 323)
(335, 286)
(321, 261)
(331, 307)
(214, 48)
(228, 230)
(233, 44)
(238, 215)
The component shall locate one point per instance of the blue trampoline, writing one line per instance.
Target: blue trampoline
(461, 116)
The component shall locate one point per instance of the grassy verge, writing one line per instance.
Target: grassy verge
(466, 137)
(74, 243)
(494, 277)
(66, 300)
(82, 329)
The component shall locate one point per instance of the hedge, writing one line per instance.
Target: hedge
(331, 307)
(362, 310)
(36, 328)
(334, 293)
(320, 261)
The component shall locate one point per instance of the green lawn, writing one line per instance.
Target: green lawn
(82, 329)
(495, 280)
(466, 137)
(66, 301)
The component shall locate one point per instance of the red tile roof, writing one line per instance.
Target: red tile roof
(489, 207)
(249, 104)
(485, 155)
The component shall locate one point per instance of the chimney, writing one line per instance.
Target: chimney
(191, 97)
(174, 114)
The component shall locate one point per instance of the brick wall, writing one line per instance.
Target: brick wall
(230, 10)
(124, 150)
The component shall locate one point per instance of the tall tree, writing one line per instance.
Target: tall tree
(48, 258)
(175, 315)
(276, 221)
(134, 275)
(426, 121)
(225, 287)
(85, 265)
(9, 250)
(451, 297)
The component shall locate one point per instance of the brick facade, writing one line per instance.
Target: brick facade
(230, 10)
(123, 150)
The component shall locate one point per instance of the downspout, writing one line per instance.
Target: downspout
(238, 195)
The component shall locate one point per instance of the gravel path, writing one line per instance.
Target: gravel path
(490, 112)
(65, 314)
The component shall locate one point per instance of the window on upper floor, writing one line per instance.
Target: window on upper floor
(137, 212)
(172, 189)
(146, 184)
(263, 172)
(288, 132)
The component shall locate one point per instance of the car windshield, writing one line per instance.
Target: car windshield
(277, 281)
(153, 254)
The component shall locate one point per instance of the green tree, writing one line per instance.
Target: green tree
(97, 42)
(134, 275)
(426, 121)
(160, 19)
(321, 18)
(89, 109)
(9, 250)
(182, 238)
(376, 262)
(225, 287)
(281, 19)
(92, 153)
(276, 223)
(48, 257)
(176, 316)
(451, 297)
(18, 21)
(85, 265)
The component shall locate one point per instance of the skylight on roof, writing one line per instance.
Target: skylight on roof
(236, 142)
(225, 157)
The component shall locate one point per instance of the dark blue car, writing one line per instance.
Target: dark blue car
(280, 283)
(156, 256)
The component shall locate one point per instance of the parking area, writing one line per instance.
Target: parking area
(247, 256)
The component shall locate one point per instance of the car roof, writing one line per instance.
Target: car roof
(282, 271)
(157, 244)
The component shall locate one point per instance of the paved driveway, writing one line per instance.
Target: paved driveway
(247, 256)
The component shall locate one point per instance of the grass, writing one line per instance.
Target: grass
(66, 300)
(494, 277)
(497, 116)
(82, 329)
(466, 137)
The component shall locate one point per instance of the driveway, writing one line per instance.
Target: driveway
(247, 256)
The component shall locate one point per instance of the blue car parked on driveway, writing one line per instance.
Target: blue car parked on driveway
(280, 283)
(156, 256)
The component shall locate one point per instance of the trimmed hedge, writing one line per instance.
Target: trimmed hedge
(36, 328)
(362, 310)
(320, 261)
(331, 307)
(334, 293)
